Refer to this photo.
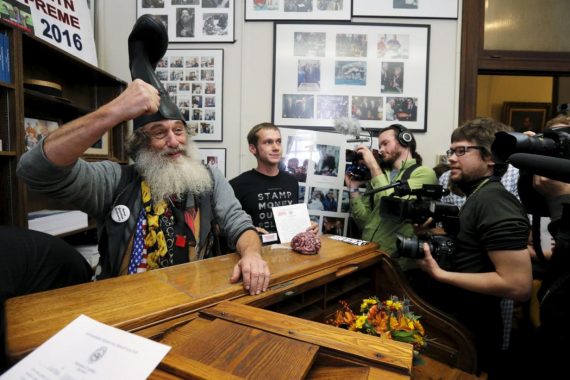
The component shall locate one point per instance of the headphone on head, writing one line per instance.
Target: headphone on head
(404, 136)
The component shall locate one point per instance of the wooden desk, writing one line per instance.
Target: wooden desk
(152, 304)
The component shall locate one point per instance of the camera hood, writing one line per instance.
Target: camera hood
(551, 167)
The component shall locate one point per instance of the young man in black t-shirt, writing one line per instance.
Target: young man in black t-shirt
(491, 259)
(266, 186)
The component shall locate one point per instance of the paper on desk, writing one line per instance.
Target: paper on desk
(290, 220)
(87, 349)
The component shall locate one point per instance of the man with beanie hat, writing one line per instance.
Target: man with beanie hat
(165, 209)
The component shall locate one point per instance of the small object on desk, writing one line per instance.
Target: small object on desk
(349, 240)
(306, 243)
(269, 238)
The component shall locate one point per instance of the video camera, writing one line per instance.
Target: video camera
(357, 170)
(553, 143)
(545, 154)
(420, 209)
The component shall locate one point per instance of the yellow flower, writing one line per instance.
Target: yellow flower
(393, 322)
(405, 324)
(366, 303)
(360, 321)
(419, 326)
(419, 340)
(397, 305)
(389, 303)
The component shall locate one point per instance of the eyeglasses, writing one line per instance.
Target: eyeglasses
(461, 150)
(162, 134)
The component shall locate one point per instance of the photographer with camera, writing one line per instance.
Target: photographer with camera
(399, 160)
(491, 259)
(555, 284)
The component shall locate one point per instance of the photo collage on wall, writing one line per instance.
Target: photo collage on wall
(297, 9)
(374, 73)
(317, 161)
(193, 20)
(194, 81)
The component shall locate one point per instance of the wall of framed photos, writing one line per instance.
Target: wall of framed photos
(248, 76)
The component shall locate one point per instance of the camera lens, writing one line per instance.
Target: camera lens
(409, 247)
(508, 143)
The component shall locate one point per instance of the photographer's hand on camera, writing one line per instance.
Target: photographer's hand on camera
(369, 160)
(429, 265)
(423, 228)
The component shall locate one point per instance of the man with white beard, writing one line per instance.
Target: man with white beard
(163, 210)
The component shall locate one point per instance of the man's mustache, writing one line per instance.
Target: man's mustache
(168, 151)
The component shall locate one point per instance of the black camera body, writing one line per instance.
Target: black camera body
(420, 209)
(353, 156)
(359, 172)
(442, 248)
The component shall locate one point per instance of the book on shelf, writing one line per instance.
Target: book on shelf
(5, 69)
(56, 222)
(7, 60)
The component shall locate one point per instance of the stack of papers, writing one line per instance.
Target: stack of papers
(55, 222)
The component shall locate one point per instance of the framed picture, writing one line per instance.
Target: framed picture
(526, 116)
(259, 10)
(405, 8)
(193, 20)
(37, 129)
(376, 73)
(100, 148)
(194, 81)
(214, 157)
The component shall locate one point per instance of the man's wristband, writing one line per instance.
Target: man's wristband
(355, 190)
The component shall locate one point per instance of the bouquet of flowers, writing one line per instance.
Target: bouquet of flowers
(390, 319)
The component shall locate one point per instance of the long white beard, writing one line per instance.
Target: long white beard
(167, 177)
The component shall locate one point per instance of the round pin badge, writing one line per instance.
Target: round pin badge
(120, 213)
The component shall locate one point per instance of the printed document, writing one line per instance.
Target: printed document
(87, 349)
(290, 220)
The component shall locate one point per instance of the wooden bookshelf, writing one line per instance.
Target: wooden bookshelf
(84, 88)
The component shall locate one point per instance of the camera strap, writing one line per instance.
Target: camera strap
(403, 179)
(479, 187)
(408, 172)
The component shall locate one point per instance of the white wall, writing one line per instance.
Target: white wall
(248, 76)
